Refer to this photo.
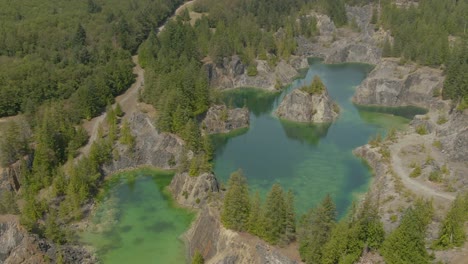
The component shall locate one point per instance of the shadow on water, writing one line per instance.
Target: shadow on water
(305, 133)
(403, 111)
(257, 101)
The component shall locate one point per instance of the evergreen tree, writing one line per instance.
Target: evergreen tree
(452, 231)
(406, 244)
(275, 214)
(315, 230)
(236, 208)
(256, 223)
(80, 36)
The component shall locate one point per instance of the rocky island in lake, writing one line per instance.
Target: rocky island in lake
(309, 104)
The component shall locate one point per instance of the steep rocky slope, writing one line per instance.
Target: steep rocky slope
(300, 106)
(220, 119)
(392, 84)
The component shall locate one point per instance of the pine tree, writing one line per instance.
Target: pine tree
(256, 223)
(315, 230)
(236, 206)
(80, 36)
(275, 212)
(406, 244)
(290, 219)
(452, 232)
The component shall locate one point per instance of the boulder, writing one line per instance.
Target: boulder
(301, 106)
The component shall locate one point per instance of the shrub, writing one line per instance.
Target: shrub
(442, 120)
(421, 130)
(252, 70)
(435, 176)
(416, 172)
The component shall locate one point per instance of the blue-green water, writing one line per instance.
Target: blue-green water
(137, 222)
(311, 160)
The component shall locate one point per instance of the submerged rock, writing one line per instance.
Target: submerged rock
(220, 119)
(303, 106)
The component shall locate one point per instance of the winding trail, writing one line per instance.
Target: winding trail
(400, 169)
(129, 100)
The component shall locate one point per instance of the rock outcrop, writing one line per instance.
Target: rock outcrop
(300, 106)
(232, 73)
(18, 246)
(453, 134)
(391, 84)
(193, 192)
(219, 245)
(152, 148)
(220, 119)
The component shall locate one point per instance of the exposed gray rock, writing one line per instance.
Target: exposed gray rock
(18, 246)
(232, 74)
(193, 191)
(454, 136)
(220, 119)
(345, 51)
(301, 106)
(152, 148)
(391, 84)
(222, 246)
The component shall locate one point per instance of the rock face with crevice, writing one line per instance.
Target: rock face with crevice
(18, 246)
(232, 73)
(300, 106)
(193, 192)
(152, 148)
(220, 119)
(219, 245)
(391, 84)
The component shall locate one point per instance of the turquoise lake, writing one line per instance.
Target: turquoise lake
(136, 220)
(311, 160)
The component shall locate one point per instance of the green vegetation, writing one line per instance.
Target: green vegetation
(198, 258)
(421, 130)
(236, 207)
(406, 244)
(416, 172)
(274, 221)
(317, 86)
(78, 52)
(452, 232)
(435, 176)
(421, 34)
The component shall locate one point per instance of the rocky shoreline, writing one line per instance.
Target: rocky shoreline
(389, 84)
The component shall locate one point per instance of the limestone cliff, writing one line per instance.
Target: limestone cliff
(300, 106)
(194, 191)
(232, 73)
(151, 148)
(391, 84)
(219, 245)
(18, 246)
(220, 119)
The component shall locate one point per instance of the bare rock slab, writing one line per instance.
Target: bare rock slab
(301, 106)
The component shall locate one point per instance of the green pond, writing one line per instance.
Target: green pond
(137, 221)
(311, 160)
